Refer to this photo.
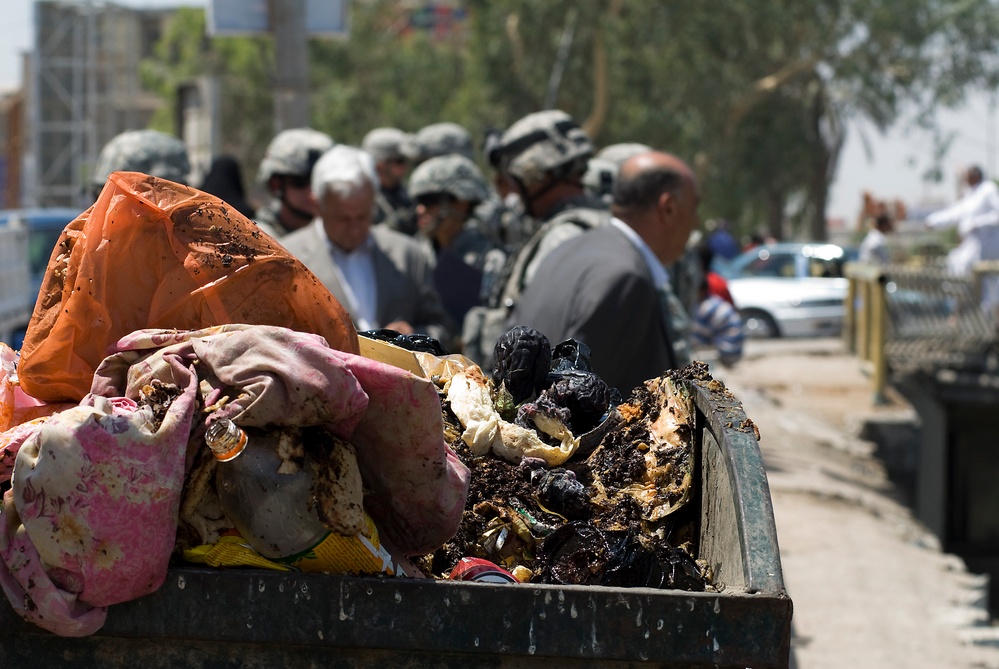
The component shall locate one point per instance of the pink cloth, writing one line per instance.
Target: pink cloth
(92, 515)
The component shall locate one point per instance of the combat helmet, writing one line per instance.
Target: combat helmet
(293, 152)
(440, 139)
(386, 143)
(598, 180)
(542, 143)
(618, 153)
(454, 175)
(148, 151)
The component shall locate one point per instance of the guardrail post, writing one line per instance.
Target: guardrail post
(867, 322)
(850, 317)
(864, 322)
(879, 330)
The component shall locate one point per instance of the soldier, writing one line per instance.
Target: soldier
(148, 151)
(603, 167)
(446, 190)
(395, 206)
(286, 172)
(439, 139)
(542, 157)
(599, 178)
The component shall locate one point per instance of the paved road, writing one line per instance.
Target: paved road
(871, 587)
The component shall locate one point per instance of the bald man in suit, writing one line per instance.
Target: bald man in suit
(609, 287)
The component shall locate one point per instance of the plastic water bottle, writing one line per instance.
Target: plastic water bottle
(273, 511)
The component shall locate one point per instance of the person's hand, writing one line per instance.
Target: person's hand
(402, 327)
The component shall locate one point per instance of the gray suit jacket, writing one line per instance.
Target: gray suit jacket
(597, 288)
(403, 272)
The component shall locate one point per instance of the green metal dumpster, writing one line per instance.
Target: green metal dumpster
(248, 618)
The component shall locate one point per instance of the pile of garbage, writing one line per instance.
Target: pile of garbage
(182, 373)
(570, 484)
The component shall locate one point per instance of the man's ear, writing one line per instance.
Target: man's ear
(666, 203)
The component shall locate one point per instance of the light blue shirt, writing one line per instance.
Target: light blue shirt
(660, 275)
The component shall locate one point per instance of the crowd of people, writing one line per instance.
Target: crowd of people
(410, 235)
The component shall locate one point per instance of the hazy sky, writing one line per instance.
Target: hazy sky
(893, 170)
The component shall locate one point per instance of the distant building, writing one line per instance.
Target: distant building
(82, 90)
(11, 148)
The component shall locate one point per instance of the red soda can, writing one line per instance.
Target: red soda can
(482, 571)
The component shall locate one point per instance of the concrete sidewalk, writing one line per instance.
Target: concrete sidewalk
(871, 587)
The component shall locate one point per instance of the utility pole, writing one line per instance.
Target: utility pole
(291, 80)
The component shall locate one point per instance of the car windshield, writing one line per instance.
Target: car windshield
(771, 264)
(825, 261)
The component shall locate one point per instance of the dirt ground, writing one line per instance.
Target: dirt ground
(870, 586)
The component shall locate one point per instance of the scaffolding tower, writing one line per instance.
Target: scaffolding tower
(84, 90)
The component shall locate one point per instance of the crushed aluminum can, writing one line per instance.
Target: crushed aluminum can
(481, 571)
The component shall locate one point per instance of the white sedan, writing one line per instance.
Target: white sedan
(789, 289)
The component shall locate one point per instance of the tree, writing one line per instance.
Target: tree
(241, 65)
(755, 96)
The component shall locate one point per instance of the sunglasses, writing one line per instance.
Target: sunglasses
(296, 181)
(434, 199)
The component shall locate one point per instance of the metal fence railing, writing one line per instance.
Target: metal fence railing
(909, 318)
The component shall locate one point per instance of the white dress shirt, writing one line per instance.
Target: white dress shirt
(356, 271)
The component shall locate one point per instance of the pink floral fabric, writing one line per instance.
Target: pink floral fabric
(92, 514)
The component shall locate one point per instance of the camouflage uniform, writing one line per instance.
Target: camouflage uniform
(291, 153)
(395, 205)
(148, 151)
(541, 145)
(459, 178)
(599, 178)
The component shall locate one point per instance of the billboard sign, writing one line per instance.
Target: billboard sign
(323, 18)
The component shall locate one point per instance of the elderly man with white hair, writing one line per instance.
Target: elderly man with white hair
(382, 277)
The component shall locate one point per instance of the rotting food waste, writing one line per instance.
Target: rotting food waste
(598, 492)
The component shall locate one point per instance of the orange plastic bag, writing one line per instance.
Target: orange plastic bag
(151, 253)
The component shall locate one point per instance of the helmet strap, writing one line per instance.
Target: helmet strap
(529, 200)
(301, 213)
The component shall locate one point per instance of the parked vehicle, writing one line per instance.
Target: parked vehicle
(15, 307)
(789, 289)
(44, 225)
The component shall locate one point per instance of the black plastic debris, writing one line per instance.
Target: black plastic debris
(584, 394)
(578, 553)
(571, 354)
(560, 491)
(522, 360)
(410, 342)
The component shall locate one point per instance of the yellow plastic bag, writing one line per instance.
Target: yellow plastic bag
(151, 253)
